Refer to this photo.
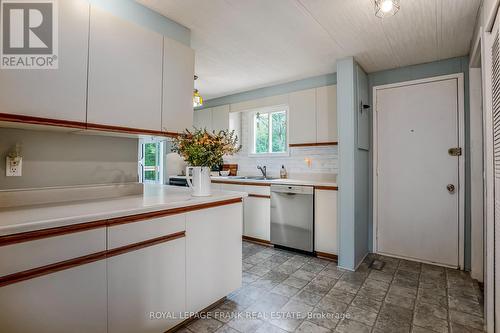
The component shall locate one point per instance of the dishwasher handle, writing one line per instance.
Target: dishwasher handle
(292, 189)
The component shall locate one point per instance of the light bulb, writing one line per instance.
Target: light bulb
(386, 6)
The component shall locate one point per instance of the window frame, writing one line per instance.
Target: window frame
(160, 163)
(268, 110)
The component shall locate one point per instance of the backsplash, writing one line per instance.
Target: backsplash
(312, 161)
(67, 159)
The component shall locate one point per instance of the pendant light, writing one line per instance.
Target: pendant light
(385, 8)
(197, 99)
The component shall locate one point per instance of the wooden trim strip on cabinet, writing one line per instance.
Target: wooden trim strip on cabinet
(172, 211)
(260, 196)
(16, 118)
(51, 232)
(130, 130)
(70, 263)
(314, 144)
(68, 229)
(327, 256)
(52, 268)
(327, 188)
(143, 244)
(230, 182)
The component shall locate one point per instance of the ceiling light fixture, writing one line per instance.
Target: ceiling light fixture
(197, 99)
(385, 8)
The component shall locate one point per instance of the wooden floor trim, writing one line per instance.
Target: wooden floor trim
(51, 232)
(74, 262)
(314, 144)
(193, 317)
(257, 240)
(328, 256)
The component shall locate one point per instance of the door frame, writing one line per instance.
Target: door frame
(461, 160)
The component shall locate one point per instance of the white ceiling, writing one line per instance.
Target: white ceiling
(247, 44)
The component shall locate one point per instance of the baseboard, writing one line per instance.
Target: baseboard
(327, 256)
(193, 318)
(257, 241)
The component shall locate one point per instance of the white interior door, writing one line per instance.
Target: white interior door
(417, 215)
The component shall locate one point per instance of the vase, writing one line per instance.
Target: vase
(199, 181)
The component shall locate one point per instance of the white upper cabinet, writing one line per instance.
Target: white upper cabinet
(178, 84)
(326, 114)
(302, 116)
(125, 73)
(203, 119)
(220, 118)
(58, 93)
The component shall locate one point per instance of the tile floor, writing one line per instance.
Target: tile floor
(288, 292)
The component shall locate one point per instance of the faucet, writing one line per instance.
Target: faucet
(263, 170)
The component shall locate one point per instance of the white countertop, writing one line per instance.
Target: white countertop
(276, 181)
(155, 197)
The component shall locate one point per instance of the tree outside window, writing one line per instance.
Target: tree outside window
(270, 132)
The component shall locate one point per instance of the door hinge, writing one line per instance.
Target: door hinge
(455, 151)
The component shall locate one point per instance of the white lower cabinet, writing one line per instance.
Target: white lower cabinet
(147, 281)
(71, 300)
(325, 221)
(256, 209)
(213, 258)
(257, 218)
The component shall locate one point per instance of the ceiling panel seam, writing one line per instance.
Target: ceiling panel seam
(321, 25)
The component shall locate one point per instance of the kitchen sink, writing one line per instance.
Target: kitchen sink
(251, 177)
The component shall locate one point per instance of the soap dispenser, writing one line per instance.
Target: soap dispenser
(283, 174)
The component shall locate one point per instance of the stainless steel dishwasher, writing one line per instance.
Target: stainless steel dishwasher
(292, 216)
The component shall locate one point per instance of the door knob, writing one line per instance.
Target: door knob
(450, 188)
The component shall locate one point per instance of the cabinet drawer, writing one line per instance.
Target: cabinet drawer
(32, 254)
(138, 231)
(258, 190)
(233, 187)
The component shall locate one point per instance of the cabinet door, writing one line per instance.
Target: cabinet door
(125, 73)
(203, 119)
(257, 220)
(326, 114)
(213, 254)
(72, 300)
(325, 221)
(148, 280)
(220, 118)
(178, 84)
(59, 93)
(302, 114)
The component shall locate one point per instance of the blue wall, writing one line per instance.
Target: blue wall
(421, 71)
(353, 177)
(346, 101)
(309, 83)
(132, 11)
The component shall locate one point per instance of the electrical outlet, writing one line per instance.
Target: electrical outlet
(14, 166)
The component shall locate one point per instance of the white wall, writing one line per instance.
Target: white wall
(62, 159)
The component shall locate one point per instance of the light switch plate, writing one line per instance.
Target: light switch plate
(14, 166)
